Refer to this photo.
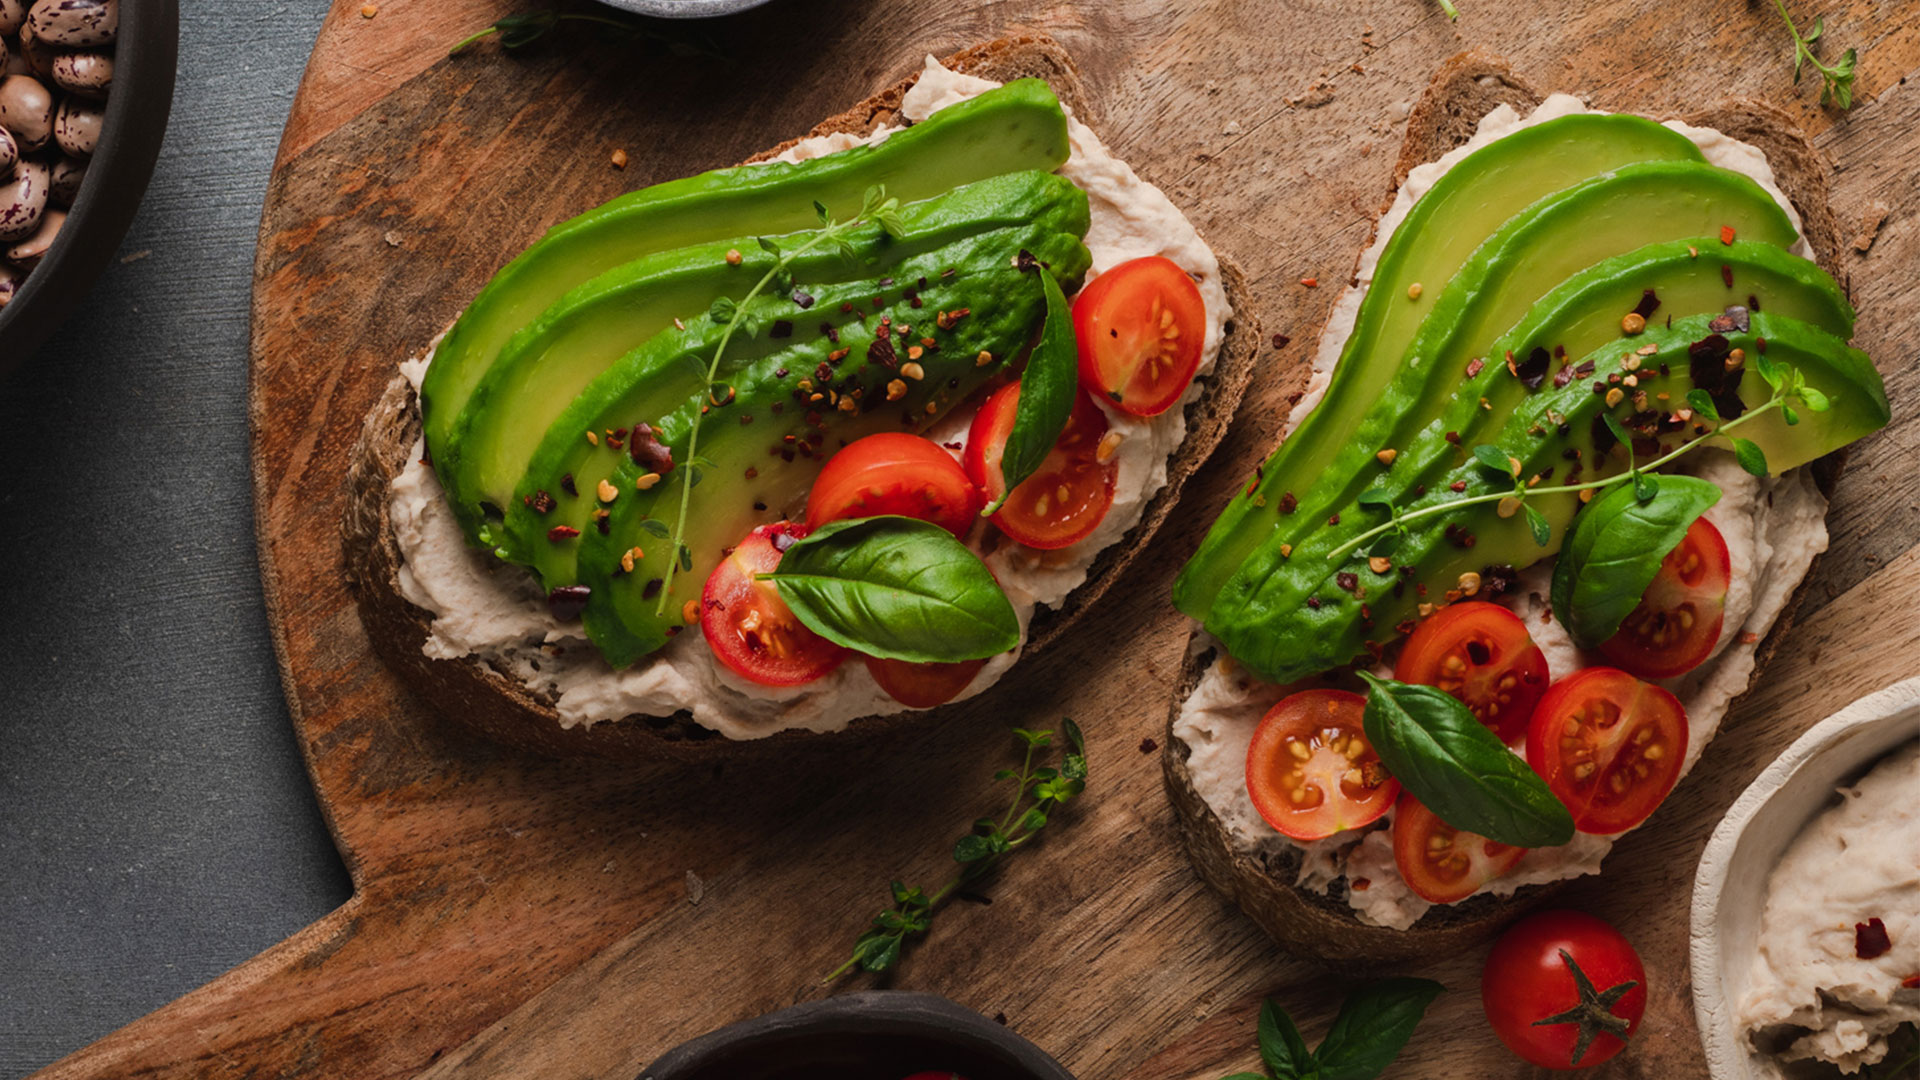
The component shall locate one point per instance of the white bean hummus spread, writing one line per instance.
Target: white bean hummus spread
(1827, 984)
(497, 612)
(1774, 527)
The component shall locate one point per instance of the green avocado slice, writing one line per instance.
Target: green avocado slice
(546, 367)
(1528, 256)
(1469, 203)
(1315, 613)
(1016, 127)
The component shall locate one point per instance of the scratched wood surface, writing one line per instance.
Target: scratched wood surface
(519, 918)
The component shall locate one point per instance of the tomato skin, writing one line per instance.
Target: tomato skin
(1141, 327)
(1453, 872)
(748, 626)
(1587, 731)
(1526, 979)
(894, 472)
(1034, 514)
(922, 686)
(1343, 788)
(1481, 654)
(1678, 621)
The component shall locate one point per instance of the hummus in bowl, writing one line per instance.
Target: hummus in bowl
(1789, 969)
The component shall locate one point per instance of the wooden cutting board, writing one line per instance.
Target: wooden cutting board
(519, 918)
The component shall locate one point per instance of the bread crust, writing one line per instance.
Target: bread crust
(1464, 89)
(498, 706)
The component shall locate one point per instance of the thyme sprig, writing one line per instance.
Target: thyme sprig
(1453, 13)
(876, 208)
(1836, 80)
(1036, 792)
(1788, 386)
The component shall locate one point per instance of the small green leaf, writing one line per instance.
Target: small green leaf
(1074, 738)
(1385, 544)
(1033, 819)
(1814, 400)
(1074, 767)
(1646, 486)
(1619, 430)
(654, 526)
(1381, 499)
(1374, 1025)
(1813, 35)
(1282, 1050)
(883, 954)
(1033, 739)
(686, 558)
(1769, 369)
(722, 310)
(1750, 456)
(1701, 403)
(768, 246)
(1788, 414)
(1493, 459)
(1537, 521)
(972, 848)
(820, 210)
(1005, 774)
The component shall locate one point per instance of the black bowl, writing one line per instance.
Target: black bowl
(144, 55)
(872, 1035)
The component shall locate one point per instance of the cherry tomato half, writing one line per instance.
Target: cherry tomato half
(1067, 496)
(1441, 863)
(894, 473)
(1536, 1004)
(1141, 326)
(1609, 746)
(1482, 654)
(1678, 621)
(1311, 771)
(750, 628)
(922, 686)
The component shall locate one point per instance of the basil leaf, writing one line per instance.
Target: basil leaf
(897, 588)
(1459, 768)
(1374, 1025)
(1281, 1047)
(1047, 390)
(1615, 550)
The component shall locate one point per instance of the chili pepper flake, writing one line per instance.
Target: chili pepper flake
(1311, 283)
(541, 503)
(1870, 939)
(562, 532)
(1476, 365)
(1726, 235)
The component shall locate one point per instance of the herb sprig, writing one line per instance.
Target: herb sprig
(1037, 791)
(876, 208)
(1372, 1028)
(1788, 385)
(1453, 13)
(1836, 80)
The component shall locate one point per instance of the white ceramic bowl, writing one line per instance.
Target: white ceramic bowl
(1730, 887)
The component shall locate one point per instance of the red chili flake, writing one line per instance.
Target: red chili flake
(1726, 274)
(1313, 602)
(562, 532)
(1453, 437)
(1911, 982)
(1311, 283)
(1148, 746)
(566, 485)
(1457, 485)
(745, 419)
(568, 601)
(1348, 582)
(1563, 376)
(648, 452)
(651, 589)
(1405, 627)
(801, 297)
(1281, 341)
(1533, 370)
(1649, 303)
(1334, 520)
(1360, 884)
(781, 328)
(1870, 939)
(1748, 637)
(1726, 235)
(1475, 366)
(542, 503)
(881, 352)
(1760, 344)
(1288, 504)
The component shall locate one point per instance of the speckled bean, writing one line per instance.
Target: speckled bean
(75, 24)
(27, 253)
(10, 282)
(13, 15)
(88, 74)
(37, 54)
(9, 152)
(64, 185)
(76, 126)
(26, 109)
(23, 201)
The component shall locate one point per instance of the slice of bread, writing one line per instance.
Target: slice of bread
(1464, 89)
(498, 706)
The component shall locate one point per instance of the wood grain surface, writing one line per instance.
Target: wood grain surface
(535, 918)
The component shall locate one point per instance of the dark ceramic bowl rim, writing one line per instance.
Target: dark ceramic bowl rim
(868, 1012)
(144, 58)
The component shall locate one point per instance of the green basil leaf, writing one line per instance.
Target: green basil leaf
(1615, 550)
(1047, 391)
(898, 588)
(1374, 1025)
(1750, 456)
(1281, 1047)
(1459, 768)
(1537, 521)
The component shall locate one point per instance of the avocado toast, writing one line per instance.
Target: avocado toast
(609, 504)
(1340, 556)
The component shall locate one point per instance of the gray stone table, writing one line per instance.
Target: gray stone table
(156, 827)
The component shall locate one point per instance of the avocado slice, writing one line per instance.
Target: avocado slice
(1467, 205)
(1313, 613)
(795, 405)
(1546, 243)
(1016, 127)
(547, 366)
(1584, 313)
(565, 470)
